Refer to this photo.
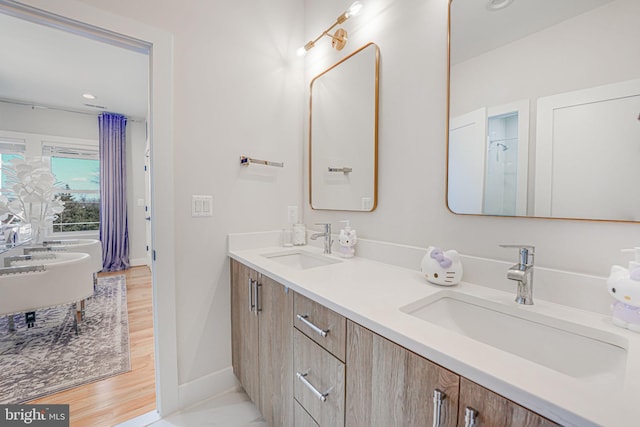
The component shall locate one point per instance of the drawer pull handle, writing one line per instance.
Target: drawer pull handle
(303, 318)
(316, 393)
(470, 417)
(438, 397)
(258, 306)
(251, 303)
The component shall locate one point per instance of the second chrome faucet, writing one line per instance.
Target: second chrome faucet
(522, 273)
(327, 237)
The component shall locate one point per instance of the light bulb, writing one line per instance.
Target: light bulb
(301, 51)
(355, 8)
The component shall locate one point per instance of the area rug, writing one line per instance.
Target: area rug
(50, 357)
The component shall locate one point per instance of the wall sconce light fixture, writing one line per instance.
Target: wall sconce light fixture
(339, 38)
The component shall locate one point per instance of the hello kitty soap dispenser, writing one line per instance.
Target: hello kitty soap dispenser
(442, 268)
(347, 239)
(624, 285)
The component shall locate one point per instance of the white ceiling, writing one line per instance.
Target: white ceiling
(46, 66)
(476, 30)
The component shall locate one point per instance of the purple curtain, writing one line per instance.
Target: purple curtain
(114, 233)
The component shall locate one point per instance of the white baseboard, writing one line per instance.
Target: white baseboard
(206, 387)
(142, 420)
(136, 262)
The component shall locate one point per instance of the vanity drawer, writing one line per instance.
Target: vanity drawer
(319, 381)
(301, 418)
(324, 326)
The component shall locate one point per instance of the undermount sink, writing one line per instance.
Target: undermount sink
(570, 348)
(300, 260)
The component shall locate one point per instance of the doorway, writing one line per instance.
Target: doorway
(82, 22)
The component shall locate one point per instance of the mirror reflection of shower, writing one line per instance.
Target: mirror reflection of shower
(497, 147)
(501, 172)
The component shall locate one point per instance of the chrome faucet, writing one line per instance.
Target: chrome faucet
(522, 272)
(327, 237)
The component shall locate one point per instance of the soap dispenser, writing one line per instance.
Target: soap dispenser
(624, 285)
(636, 258)
(347, 239)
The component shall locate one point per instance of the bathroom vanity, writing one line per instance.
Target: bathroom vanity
(304, 364)
(350, 342)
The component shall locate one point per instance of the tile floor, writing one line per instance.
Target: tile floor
(232, 409)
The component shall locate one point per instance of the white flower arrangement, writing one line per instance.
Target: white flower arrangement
(34, 187)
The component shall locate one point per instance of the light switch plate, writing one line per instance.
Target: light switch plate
(201, 206)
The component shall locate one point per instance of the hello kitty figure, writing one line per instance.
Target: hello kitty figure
(442, 268)
(347, 240)
(624, 286)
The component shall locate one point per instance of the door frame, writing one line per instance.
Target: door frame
(87, 21)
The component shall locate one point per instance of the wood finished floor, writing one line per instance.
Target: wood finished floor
(125, 396)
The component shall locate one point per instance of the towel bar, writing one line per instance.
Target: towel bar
(343, 170)
(246, 161)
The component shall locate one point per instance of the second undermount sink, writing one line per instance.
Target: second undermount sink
(570, 348)
(300, 260)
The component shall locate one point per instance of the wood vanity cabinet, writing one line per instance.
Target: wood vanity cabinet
(262, 342)
(366, 380)
(489, 409)
(388, 385)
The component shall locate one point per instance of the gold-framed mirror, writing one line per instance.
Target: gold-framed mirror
(343, 133)
(544, 104)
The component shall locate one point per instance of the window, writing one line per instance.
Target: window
(9, 149)
(77, 170)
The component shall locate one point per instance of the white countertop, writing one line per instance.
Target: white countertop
(371, 293)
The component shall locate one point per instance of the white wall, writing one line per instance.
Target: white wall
(136, 146)
(19, 118)
(237, 88)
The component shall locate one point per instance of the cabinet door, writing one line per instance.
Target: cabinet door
(276, 352)
(244, 329)
(493, 410)
(387, 385)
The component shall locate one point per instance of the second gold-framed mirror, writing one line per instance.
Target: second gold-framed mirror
(544, 97)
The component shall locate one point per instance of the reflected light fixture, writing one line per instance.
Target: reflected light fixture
(339, 38)
(498, 4)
